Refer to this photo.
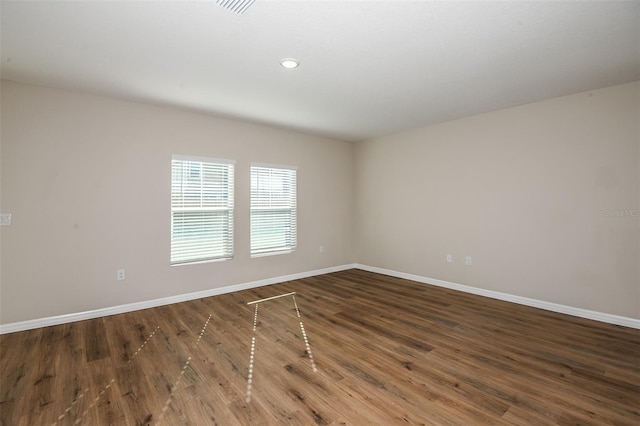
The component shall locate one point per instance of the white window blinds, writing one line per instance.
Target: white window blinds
(273, 209)
(201, 209)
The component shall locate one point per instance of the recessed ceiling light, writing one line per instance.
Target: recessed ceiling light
(289, 63)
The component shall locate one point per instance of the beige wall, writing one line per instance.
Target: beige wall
(523, 191)
(87, 181)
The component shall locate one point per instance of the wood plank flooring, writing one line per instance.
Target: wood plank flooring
(387, 352)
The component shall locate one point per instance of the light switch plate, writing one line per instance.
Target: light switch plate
(5, 219)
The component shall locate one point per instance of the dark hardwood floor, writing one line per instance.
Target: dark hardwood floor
(387, 352)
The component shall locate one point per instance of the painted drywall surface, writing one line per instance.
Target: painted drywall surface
(544, 198)
(87, 179)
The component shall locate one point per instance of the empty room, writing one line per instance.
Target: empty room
(258, 212)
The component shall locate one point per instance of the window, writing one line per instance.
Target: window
(201, 209)
(273, 209)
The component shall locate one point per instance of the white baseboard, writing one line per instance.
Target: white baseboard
(549, 306)
(97, 313)
(103, 312)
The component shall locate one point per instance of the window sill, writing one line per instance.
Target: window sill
(199, 262)
(272, 253)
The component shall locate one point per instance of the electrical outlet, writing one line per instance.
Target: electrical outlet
(5, 219)
(467, 261)
(449, 258)
(120, 275)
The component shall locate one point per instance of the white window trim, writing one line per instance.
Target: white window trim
(284, 250)
(231, 210)
(202, 159)
(274, 166)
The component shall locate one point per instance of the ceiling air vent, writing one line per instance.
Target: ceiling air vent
(236, 6)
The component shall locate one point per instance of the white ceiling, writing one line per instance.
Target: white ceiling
(368, 68)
